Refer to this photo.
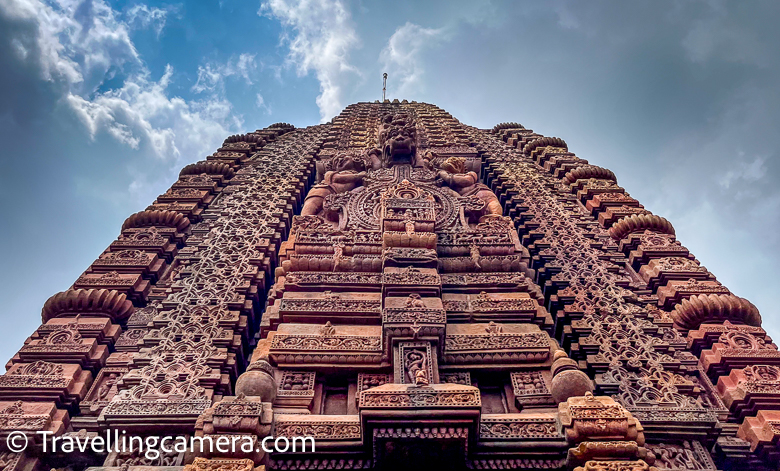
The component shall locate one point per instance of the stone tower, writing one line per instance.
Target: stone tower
(410, 292)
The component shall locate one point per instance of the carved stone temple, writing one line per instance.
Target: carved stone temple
(414, 294)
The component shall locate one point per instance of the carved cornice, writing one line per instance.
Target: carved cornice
(157, 408)
(319, 427)
(407, 316)
(515, 426)
(95, 302)
(331, 305)
(500, 341)
(157, 218)
(312, 343)
(435, 396)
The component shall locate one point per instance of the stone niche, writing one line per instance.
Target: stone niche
(103, 389)
(431, 426)
(296, 391)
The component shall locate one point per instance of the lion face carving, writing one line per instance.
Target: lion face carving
(397, 139)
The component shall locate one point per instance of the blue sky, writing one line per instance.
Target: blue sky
(102, 103)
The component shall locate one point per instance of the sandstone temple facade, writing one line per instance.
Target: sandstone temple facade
(411, 292)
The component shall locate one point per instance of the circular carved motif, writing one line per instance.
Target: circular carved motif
(364, 206)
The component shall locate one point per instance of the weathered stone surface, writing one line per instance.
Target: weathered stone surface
(397, 284)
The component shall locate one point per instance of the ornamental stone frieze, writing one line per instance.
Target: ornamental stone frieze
(397, 284)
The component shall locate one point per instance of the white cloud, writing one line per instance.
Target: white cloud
(144, 16)
(141, 113)
(748, 172)
(261, 104)
(245, 66)
(402, 57)
(210, 79)
(75, 43)
(323, 36)
(80, 45)
(212, 76)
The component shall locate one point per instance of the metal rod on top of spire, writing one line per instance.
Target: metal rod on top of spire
(384, 85)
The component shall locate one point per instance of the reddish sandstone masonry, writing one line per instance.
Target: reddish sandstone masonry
(395, 283)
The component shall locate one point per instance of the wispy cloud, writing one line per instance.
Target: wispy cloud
(212, 76)
(747, 172)
(143, 16)
(261, 104)
(402, 55)
(321, 38)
